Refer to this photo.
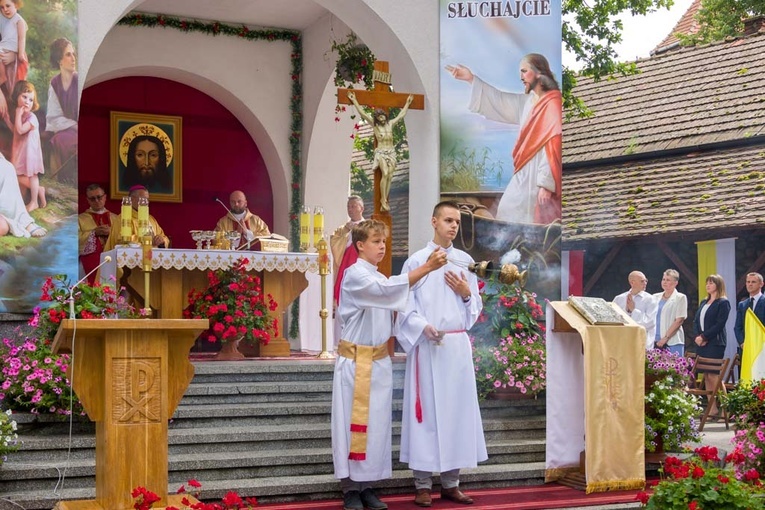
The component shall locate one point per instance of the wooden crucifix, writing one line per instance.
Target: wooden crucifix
(382, 98)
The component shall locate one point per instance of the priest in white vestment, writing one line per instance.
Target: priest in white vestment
(441, 424)
(363, 381)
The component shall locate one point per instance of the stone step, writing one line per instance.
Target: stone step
(271, 413)
(213, 439)
(280, 488)
(226, 465)
(260, 428)
(262, 370)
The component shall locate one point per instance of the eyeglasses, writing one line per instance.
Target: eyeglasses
(97, 197)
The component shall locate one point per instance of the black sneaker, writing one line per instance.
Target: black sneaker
(352, 501)
(371, 502)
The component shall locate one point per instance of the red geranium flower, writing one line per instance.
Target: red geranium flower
(234, 304)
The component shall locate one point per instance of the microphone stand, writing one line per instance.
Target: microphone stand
(239, 222)
(72, 313)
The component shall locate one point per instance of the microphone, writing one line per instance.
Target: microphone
(247, 233)
(107, 258)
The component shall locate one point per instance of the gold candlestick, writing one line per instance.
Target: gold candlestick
(147, 242)
(322, 248)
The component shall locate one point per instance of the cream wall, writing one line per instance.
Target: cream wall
(253, 82)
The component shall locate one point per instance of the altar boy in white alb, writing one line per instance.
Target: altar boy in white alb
(441, 425)
(362, 387)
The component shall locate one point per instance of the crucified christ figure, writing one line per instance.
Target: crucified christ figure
(385, 151)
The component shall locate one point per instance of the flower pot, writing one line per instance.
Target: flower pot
(649, 380)
(510, 393)
(348, 64)
(229, 351)
(657, 456)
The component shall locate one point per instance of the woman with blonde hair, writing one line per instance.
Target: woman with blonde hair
(709, 325)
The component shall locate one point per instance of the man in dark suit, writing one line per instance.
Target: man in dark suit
(755, 301)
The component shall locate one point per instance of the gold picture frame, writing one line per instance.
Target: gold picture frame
(146, 149)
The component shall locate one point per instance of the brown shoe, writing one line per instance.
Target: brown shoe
(422, 498)
(454, 494)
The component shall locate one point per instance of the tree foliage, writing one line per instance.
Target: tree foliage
(590, 31)
(719, 19)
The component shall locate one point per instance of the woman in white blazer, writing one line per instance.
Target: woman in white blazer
(671, 311)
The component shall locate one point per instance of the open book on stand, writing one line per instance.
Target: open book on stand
(596, 310)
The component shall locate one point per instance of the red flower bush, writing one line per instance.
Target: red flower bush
(235, 304)
(699, 483)
(145, 499)
(508, 340)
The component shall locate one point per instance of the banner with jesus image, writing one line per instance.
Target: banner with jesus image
(501, 117)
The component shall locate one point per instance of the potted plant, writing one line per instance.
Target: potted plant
(33, 378)
(144, 499)
(699, 483)
(89, 302)
(671, 417)
(236, 307)
(508, 341)
(746, 403)
(355, 62)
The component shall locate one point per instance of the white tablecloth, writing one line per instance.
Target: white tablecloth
(310, 300)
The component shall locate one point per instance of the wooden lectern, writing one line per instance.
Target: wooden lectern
(595, 391)
(130, 375)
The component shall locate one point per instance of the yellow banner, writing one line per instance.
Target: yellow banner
(753, 358)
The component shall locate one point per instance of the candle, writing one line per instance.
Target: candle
(143, 209)
(318, 224)
(305, 226)
(146, 247)
(126, 219)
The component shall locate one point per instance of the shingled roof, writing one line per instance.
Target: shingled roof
(687, 25)
(685, 193)
(694, 96)
(679, 147)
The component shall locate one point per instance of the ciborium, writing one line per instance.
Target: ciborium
(233, 239)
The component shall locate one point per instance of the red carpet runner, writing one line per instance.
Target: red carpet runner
(512, 498)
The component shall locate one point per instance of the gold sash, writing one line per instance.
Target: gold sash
(363, 355)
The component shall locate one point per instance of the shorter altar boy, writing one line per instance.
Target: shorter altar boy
(363, 382)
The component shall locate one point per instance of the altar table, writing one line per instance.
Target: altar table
(175, 272)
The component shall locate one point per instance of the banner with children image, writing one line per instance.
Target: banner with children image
(38, 147)
(501, 123)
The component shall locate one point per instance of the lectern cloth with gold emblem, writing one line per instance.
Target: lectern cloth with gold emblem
(595, 400)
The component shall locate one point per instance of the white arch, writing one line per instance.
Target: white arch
(266, 145)
(403, 33)
(195, 60)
